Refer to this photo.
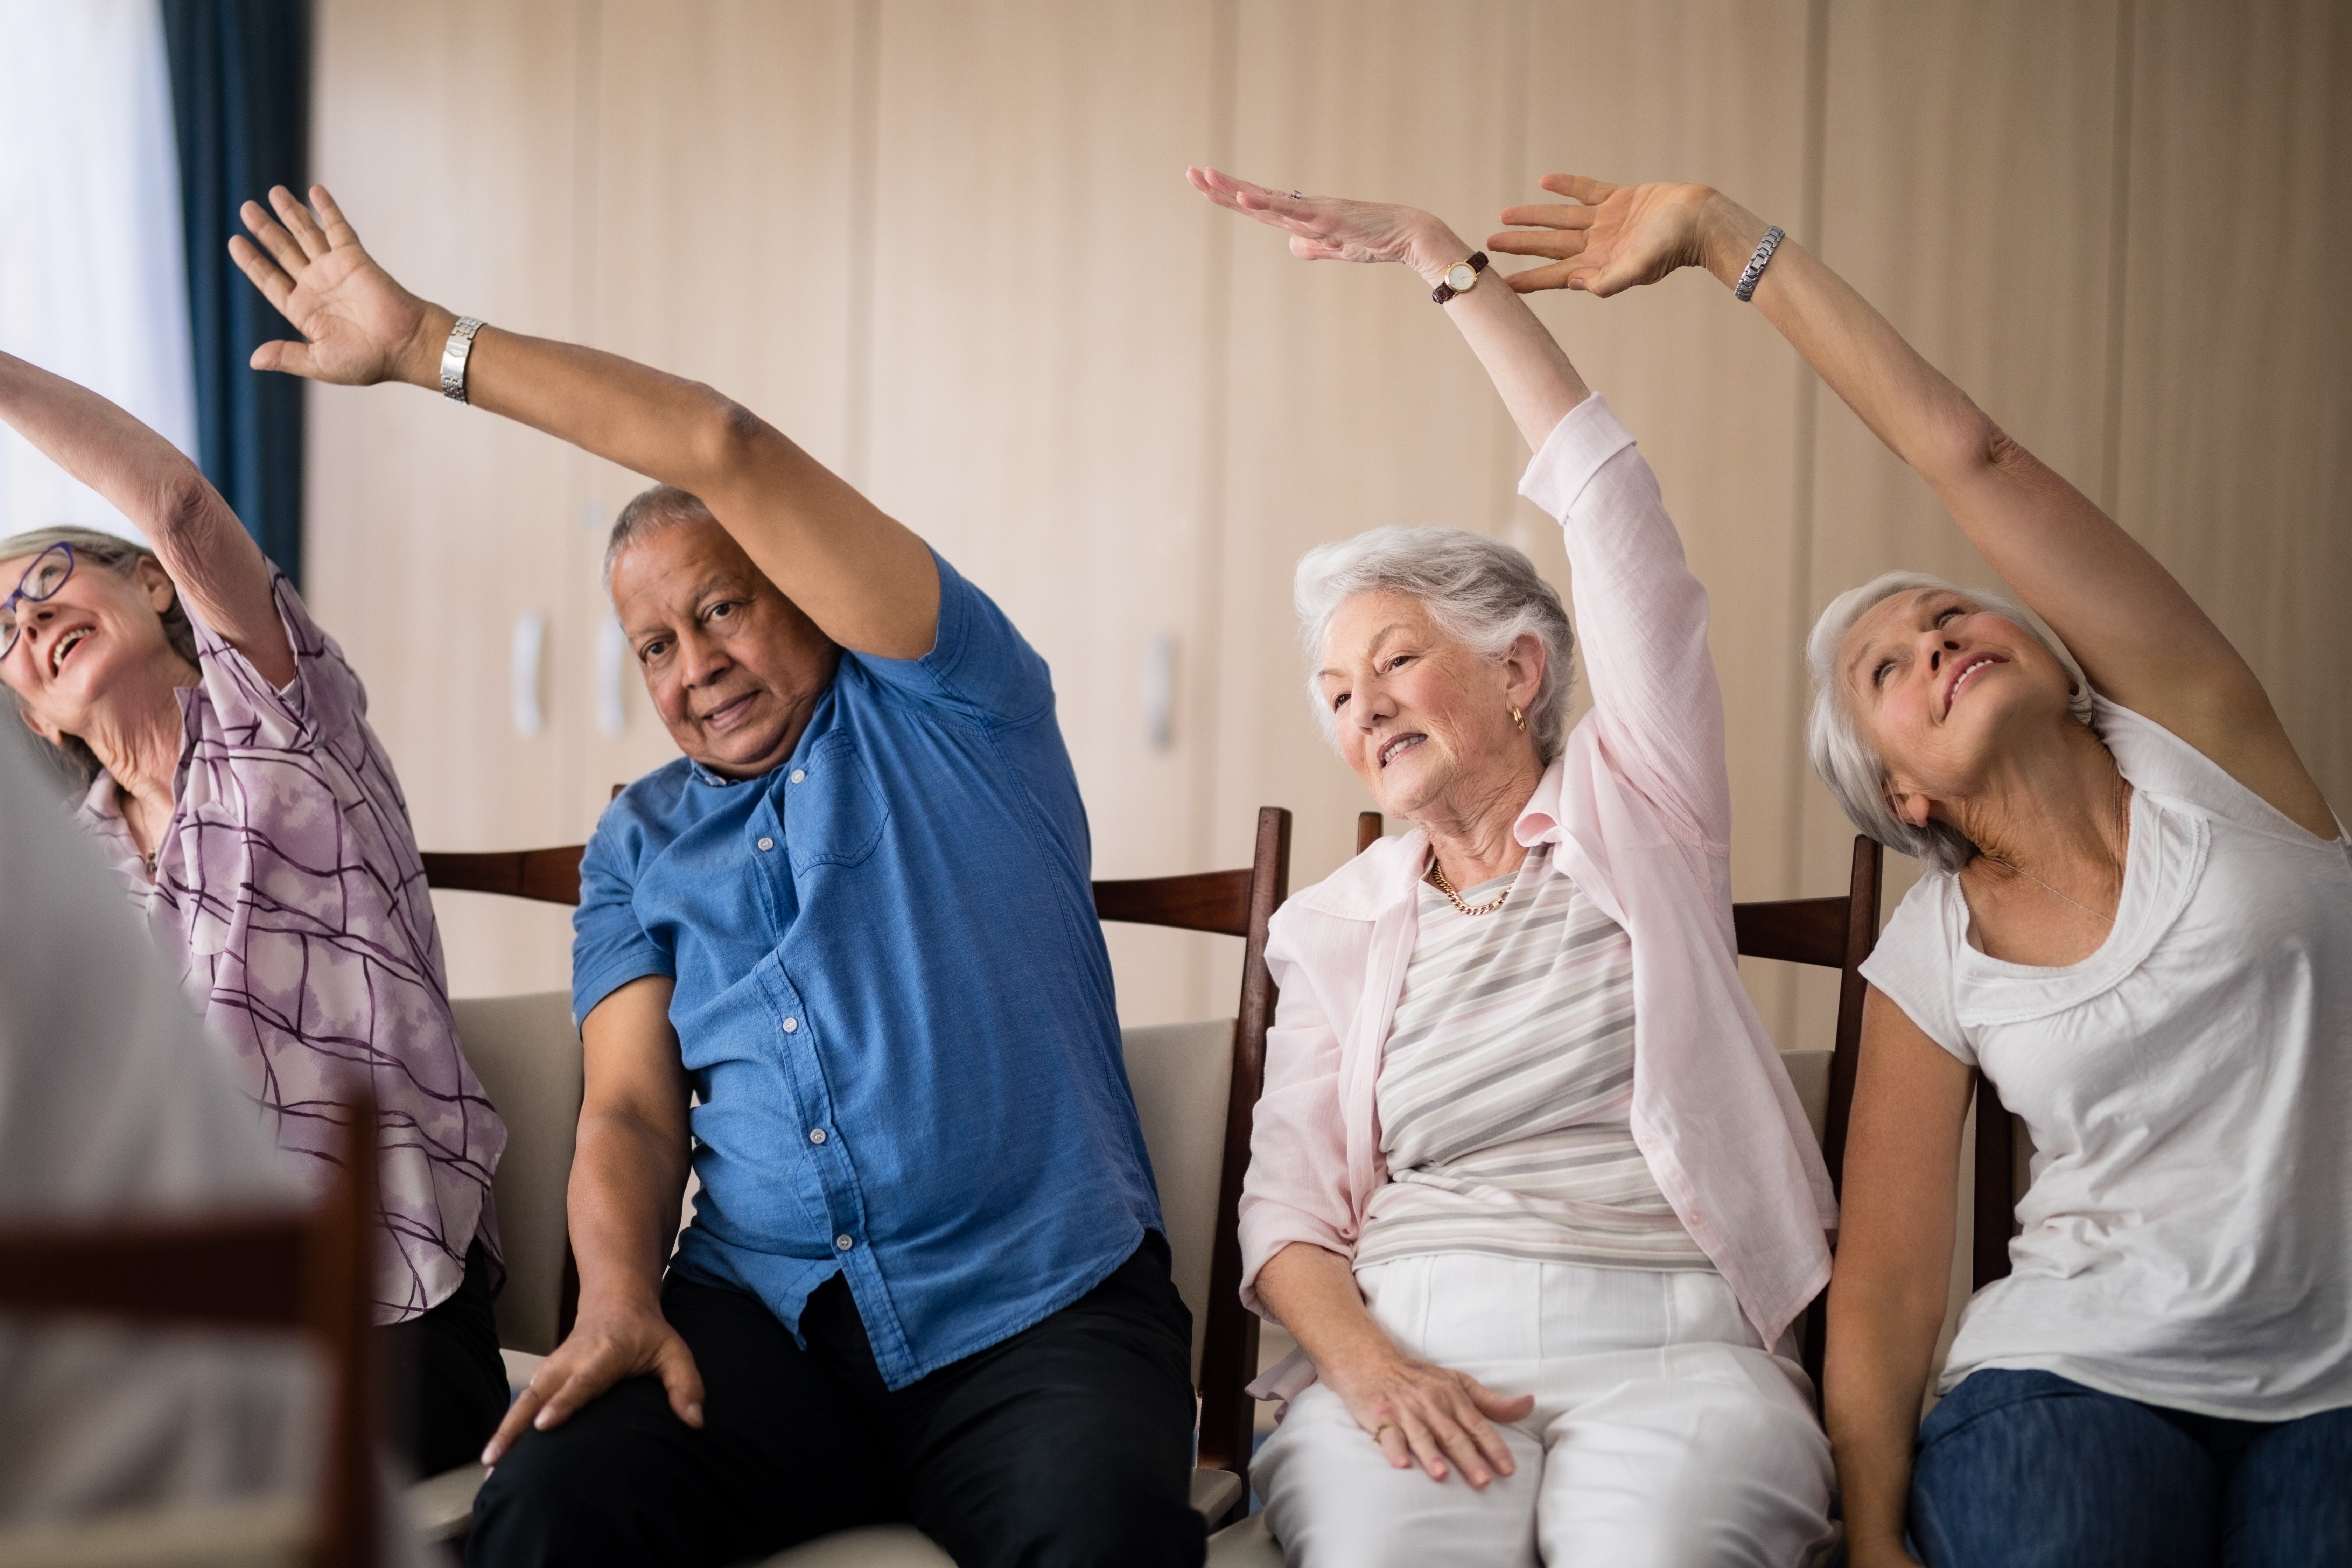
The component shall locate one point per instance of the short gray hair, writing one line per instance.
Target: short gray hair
(74, 765)
(1477, 589)
(1850, 764)
(650, 511)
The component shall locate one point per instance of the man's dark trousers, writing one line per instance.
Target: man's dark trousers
(1070, 1442)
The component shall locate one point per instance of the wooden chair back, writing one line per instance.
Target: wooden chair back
(308, 1271)
(1832, 933)
(1237, 903)
(1233, 903)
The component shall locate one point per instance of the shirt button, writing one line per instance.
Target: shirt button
(791, 1025)
(817, 1134)
(799, 775)
(767, 844)
(843, 1244)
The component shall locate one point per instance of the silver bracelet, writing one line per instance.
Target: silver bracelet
(454, 355)
(1746, 288)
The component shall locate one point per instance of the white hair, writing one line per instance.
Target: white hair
(1848, 763)
(1477, 589)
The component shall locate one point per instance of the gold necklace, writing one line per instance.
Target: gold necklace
(2049, 890)
(2123, 805)
(1437, 876)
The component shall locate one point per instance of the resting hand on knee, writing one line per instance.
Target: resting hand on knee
(603, 1347)
(1426, 1415)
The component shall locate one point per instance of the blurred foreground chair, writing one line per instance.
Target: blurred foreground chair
(1832, 933)
(1196, 1087)
(303, 1271)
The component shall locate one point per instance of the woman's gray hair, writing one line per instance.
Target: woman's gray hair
(1848, 763)
(650, 511)
(77, 767)
(1478, 590)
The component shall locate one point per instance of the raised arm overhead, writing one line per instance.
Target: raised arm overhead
(2139, 636)
(866, 579)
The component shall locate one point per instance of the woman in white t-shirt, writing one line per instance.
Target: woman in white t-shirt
(2138, 921)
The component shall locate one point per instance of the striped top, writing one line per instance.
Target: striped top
(1505, 1088)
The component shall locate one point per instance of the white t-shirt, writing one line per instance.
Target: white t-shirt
(2187, 1232)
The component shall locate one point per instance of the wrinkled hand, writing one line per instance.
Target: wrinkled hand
(603, 1347)
(1332, 228)
(1615, 237)
(358, 326)
(1427, 1414)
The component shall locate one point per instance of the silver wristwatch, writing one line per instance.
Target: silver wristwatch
(454, 355)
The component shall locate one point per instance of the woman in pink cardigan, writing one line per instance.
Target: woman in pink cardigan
(1528, 1182)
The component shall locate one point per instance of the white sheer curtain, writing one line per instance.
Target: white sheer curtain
(93, 281)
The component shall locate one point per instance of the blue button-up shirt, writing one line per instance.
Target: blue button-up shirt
(893, 1001)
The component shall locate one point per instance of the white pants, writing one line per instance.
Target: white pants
(1663, 1432)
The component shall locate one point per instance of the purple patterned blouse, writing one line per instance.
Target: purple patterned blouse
(289, 889)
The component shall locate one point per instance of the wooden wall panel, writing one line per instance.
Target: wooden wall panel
(1352, 403)
(1966, 194)
(1036, 396)
(2234, 426)
(1713, 92)
(719, 243)
(448, 132)
(947, 247)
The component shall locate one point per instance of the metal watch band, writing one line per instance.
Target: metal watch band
(1746, 288)
(1444, 291)
(454, 355)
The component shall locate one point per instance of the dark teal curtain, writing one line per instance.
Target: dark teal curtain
(241, 95)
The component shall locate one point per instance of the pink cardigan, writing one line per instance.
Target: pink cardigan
(1639, 806)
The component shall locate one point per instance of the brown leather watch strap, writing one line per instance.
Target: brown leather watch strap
(1445, 291)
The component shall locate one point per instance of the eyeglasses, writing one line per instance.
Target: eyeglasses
(42, 579)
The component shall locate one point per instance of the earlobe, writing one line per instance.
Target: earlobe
(54, 737)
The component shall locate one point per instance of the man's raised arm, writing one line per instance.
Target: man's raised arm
(866, 579)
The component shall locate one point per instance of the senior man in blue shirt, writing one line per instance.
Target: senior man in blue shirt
(926, 1278)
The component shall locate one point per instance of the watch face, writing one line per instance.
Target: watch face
(1460, 276)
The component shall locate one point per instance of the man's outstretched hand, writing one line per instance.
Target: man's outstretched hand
(359, 327)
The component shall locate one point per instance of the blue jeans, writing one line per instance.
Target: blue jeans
(2022, 1468)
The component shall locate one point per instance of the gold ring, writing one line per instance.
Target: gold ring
(1381, 1428)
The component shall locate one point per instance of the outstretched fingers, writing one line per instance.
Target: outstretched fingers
(298, 221)
(266, 274)
(272, 236)
(1274, 207)
(1578, 187)
(340, 231)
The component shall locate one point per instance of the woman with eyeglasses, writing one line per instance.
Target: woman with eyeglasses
(219, 747)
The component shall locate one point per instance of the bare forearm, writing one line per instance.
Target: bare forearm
(1881, 1346)
(864, 578)
(1537, 382)
(152, 483)
(628, 1178)
(1908, 403)
(1313, 1292)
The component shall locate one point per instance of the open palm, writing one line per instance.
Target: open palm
(355, 321)
(1613, 237)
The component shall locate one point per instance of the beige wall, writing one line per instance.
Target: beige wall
(947, 247)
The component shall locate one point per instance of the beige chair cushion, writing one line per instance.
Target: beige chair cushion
(527, 1054)
(1181, 1074)
(1249, 1544)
